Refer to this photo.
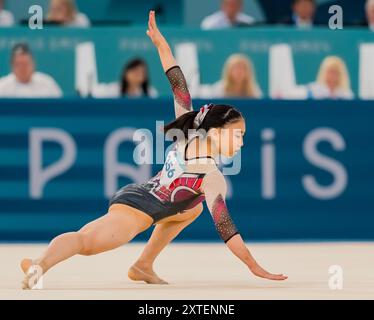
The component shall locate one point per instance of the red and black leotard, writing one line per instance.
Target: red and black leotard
(182, 183)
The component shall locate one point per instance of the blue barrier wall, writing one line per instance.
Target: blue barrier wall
(320, 161)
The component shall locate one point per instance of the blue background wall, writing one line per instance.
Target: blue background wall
(77, 196)
(115, 46)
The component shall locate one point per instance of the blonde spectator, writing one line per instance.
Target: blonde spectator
(332, 81)
(6, 17)
(238, 80)
(65, 12)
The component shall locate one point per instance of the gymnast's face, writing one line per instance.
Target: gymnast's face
(229, 139)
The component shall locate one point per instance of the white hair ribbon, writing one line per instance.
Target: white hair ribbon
(201, 115)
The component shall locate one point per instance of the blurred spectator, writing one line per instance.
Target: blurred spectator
(369, 8)
(238, 80)
(24, 81)
(65, 12)
(6, 17)
(134, 82)
(332, 81)
(230, 15)
(302, 14)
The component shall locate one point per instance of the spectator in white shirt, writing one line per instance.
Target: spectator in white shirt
(369, 8)
(6, 17)
(24, 81)
(332, 81)
(65, 12)
(238, 80)
(229, 16)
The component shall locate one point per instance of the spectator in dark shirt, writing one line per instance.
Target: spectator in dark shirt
(303, 12)
(135, 81)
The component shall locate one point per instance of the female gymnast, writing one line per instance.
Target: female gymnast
(172, 199)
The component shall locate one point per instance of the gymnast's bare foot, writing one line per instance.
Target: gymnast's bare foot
(33, 273)
(141, 273)
(25, 265)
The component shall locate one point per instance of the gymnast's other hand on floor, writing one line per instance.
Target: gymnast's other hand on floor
(258, 271)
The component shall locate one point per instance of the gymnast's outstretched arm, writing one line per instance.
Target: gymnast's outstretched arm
(214, 187)
(182, 97)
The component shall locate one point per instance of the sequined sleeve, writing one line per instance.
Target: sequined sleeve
(214, 187)
(182, 98)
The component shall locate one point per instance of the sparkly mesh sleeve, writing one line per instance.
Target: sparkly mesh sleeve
(182, 98)
(214, 187)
